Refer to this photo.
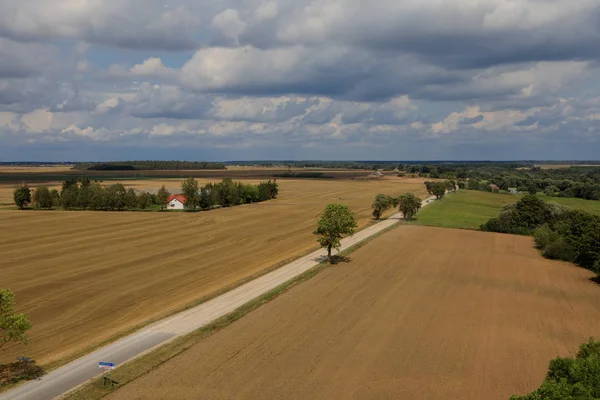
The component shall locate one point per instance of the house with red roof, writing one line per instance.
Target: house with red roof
(176, 202)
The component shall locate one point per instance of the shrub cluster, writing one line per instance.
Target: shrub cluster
(571, 378)
(560, 232)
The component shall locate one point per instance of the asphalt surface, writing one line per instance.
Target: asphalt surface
(81, 370)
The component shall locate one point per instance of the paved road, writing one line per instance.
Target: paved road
(85, 368)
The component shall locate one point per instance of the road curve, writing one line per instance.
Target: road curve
(79, 371)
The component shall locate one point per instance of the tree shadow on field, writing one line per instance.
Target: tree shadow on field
(19, 371)
(336, 259)
(595, 279)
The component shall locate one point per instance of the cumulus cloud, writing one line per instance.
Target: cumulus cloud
(136, 24)
(386, 77)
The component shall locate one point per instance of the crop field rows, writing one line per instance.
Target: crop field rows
(84, 277)
(418, 313)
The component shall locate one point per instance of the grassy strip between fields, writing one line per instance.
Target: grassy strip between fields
(140, 366)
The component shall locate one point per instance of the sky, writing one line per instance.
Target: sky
(299, 79)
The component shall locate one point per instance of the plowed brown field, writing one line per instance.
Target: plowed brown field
(419, 313)
(84, 277)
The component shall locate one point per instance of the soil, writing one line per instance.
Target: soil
(418, 313)
(86, 277)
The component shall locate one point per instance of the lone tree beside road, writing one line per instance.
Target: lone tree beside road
(336, 222)
(22, 196)
(381, 204)
(409, 205)
(13, 327)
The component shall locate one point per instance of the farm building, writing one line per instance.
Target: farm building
(176, 202)
(494, 188)
(513, 191)
(375, 174)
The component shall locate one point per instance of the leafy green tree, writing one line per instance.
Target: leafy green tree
(381, 204)
(228, 193)
(13, 327)
(98, 197)
(163, 197)
(22, 196)
(42, 198)
(336, 222)
(115, 196)
(207, 196)
(83, 196)
(143, 200)
(409, 205)
(532, 188)
(550, 190)
(55, 196)
(473, 184)
(571, 378)
(131, 199)
(439, 190)
(189, 187)
(69, 194)
(429, 187)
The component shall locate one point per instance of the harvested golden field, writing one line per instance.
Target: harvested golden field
(84, 277)
(418, 313)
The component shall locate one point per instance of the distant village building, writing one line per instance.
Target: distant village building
(176, 202)
(513, 191)
(494, 188)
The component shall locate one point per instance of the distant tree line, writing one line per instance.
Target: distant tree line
(227, 193)
(363, 165)
(148, 165)
(560, 232)
(577, 181)
(571, 378)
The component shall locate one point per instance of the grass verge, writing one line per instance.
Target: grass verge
(147, 362)
(468, 209)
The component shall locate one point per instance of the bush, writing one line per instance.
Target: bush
(544, 236)
(568, 378)
(559, 249)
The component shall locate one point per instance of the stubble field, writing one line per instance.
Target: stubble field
(419, 313)
(85, 277)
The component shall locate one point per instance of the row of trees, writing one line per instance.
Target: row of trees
(86, 195)
(407, 203)
(226, 194)
(560, 232)
(439, 188)
(576, 181)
